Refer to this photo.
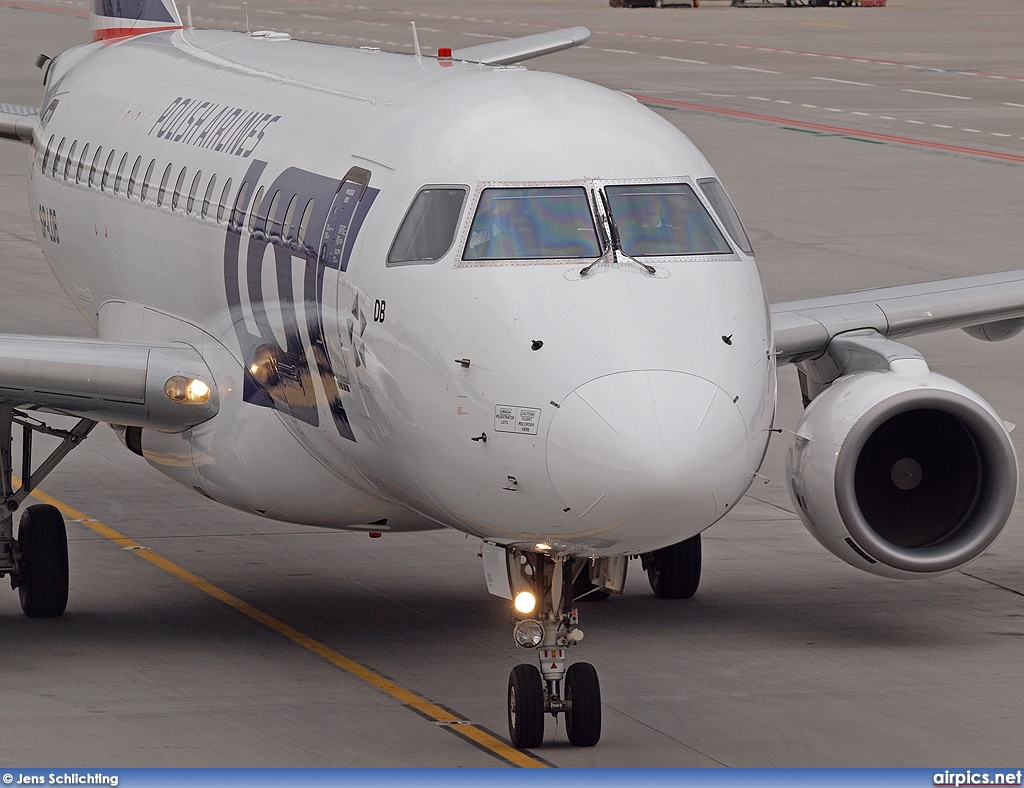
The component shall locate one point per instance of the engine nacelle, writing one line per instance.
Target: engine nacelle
(902, 472)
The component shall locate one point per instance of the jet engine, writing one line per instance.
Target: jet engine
(899, 471)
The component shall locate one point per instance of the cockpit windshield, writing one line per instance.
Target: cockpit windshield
(532, 224)
(664, 219)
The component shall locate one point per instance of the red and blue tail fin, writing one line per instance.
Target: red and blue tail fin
(124, 18)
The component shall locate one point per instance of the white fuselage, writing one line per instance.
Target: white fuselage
(638, 421)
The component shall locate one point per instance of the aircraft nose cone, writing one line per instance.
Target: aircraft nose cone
(655, 449)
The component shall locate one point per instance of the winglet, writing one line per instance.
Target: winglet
(124, 18)
(514, 50)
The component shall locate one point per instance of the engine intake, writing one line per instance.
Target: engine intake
(902, 473)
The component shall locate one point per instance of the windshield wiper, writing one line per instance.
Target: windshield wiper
(615, 247)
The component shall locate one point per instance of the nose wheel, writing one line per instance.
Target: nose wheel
(551, 689)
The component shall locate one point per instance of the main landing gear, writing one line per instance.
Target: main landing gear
(543, 594)
(37, 561)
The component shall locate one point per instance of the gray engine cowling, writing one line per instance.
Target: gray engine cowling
(902, 472)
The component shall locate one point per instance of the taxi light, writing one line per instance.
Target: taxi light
(529, 633)
(187, 391)
(525, 602)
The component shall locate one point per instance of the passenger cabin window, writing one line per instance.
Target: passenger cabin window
(81, 163)
(94, 169)
(192, 192)
(177, 188)
(307, 212)
(162, 191)
(70, 159)
(289, 217)
(147, 180)
(209, 195)
(428, 230)
(107, 170)
(223, 205)
(268, 228)
(253, 211)
(664, 219)
(241, 200)
(120, 174)
(132, 179)
(532, 224)
(56, 159)
(46, 155)
(726, 212)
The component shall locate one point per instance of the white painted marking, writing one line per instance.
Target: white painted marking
(758, 98)
(844, 82)
(758, 70)
(886, 117)
(621, 51)
(682, 60)
(810, 106)
(917, 122)
(1011, 104)
(719, 95)
(862, 114)
(941, 126)
(973, 131)
(780, 101)
(940, 95)
(997, 134)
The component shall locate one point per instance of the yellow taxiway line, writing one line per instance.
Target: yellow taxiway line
(432, 711)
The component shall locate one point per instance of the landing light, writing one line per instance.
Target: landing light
(187, 391)
(525, 602)
(529, 633)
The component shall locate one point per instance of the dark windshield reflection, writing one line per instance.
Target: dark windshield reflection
(664, 219)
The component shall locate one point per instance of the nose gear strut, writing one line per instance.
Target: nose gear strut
(551, 689)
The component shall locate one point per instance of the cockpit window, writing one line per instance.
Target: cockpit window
(726, 212)
(664, 219)
(532, 224)
(428, 230)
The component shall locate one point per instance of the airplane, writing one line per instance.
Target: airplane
(389, 292)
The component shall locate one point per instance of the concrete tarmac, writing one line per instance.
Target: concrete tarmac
(863, 147)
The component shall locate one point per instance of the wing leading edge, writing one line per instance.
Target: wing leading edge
(18, 122)
(117, 382)
(991, 303)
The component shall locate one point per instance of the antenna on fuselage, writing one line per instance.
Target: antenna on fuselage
(246, 7)
(416, 40)
(188, 13)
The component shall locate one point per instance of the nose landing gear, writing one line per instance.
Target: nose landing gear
(552, 689)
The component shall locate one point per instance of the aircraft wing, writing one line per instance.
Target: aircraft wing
(804, 328)
(515, 50)
(118, 382)
(18, 122)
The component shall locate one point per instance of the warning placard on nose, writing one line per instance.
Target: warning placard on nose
(512, 418)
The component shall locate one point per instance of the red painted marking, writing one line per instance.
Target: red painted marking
(108, 33)
(801, 124)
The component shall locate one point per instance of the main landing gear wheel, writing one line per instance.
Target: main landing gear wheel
(583, 705)
(674, 571)
(43, 575)
(525, 707)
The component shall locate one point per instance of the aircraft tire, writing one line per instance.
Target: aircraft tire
(525, 707)
(583, 698)
(674, 571)
(43, 576)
